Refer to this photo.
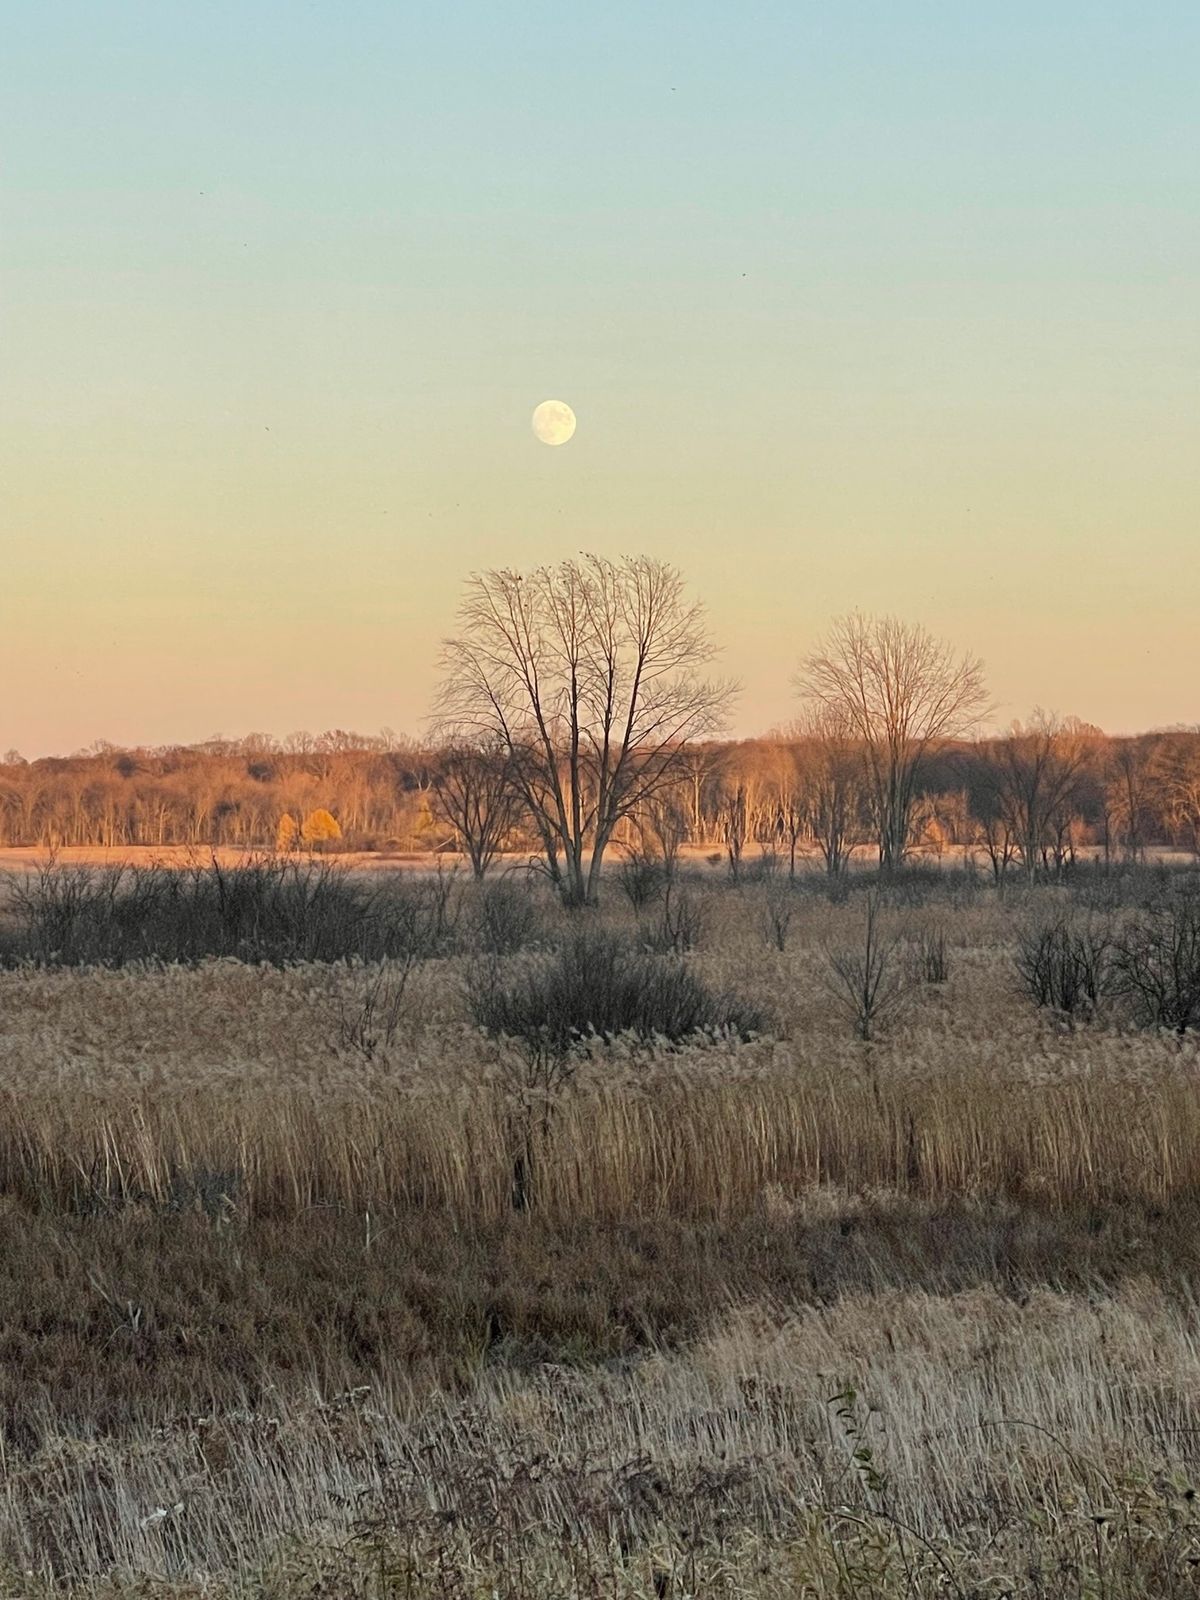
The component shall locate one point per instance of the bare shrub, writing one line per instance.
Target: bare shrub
(57, 912)
(370, 1009)
(642, 875)
(928, 961)
(1127, 885)
(836, 888)
(778, 909)
(918, 884)
(271, 909)
(1066, 966)
(763, 868)
(1156, 964)
(866, 979)
(506, 917)
(680, 925)
(596, 986)
(438, 900)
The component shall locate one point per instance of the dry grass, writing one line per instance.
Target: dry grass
(120, 1082)
(250, 1273)
(999, 1432)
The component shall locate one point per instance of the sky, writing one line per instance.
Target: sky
(887, 306)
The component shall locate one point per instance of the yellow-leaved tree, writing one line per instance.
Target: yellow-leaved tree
(320, 828)
(287, 833)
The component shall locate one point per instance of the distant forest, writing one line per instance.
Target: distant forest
(1097, 794)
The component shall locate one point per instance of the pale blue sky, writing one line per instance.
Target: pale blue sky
(881, 305)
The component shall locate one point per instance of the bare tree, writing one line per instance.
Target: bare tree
(700, 768)
(734, 828)
(666, 824)
(794, 823)
(474, 792)
(588, 674)
(1177, 784)
(991, 810)
(1128, 787)
(833, 789)
(1036, 771)
(783, 817)
(903, 694)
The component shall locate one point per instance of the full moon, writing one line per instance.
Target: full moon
(553, 422)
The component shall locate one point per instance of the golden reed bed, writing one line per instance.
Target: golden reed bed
(130, 1083)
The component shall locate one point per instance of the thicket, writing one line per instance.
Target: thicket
(596, 986)
(1066, 966)
(270, 909)
(1142, 963)
(1156, 963)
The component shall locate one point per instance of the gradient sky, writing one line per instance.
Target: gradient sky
(891, 305)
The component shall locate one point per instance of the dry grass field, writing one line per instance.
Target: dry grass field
(771, 1311)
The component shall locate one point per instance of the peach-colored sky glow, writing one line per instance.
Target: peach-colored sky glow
(872, 306)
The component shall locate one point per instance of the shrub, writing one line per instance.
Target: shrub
(642, 876)
(866, 979)
(680, 926)
(1157, 964)
(778, 908)
(1111, 887)
(836, 887)
(758, 869)
(1066, 967)
(918, 883)
(505, 918)
(595, 985)
(928, 956)
(369, 1012)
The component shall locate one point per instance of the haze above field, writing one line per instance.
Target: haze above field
(886, 306)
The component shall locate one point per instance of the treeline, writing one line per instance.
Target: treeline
(233, 792)
(1031, 800)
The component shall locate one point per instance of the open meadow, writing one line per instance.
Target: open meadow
(340, 1257)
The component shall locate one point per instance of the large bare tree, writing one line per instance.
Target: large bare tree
(590, 675)
(902, 694)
